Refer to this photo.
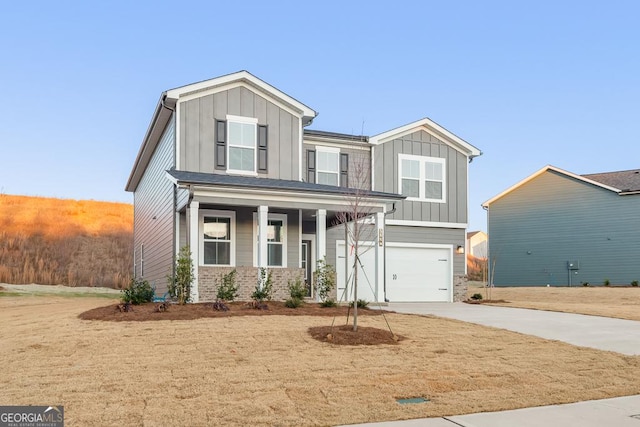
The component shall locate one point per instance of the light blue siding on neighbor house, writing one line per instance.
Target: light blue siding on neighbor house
(554, 218)
(154, 214)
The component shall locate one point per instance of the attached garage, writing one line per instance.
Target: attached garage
(414, 273)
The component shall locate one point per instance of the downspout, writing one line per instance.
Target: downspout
(384, 253)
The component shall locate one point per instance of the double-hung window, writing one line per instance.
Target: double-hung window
(328, 167)
(242, 138)
(217, 237)
(422, 178)
(276, 240)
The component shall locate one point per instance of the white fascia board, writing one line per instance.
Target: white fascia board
(327, 143)
(430, 224)
(235, 79)
(431, 127)
(540, 172)
(314, 199)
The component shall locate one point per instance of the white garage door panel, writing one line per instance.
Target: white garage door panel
(418, 274)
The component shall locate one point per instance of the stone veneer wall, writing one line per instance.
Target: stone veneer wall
(246, 279)
(459, 288)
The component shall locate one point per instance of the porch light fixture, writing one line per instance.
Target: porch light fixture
(460, 249)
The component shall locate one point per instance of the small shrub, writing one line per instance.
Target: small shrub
(328, 303)
(138, 292)
(324, 278)
(228, 290)
(297, 290)
(220, 305)
(585, 284)
(634, 283)
(476, 297)
(180, 285)
(293, 303)
(607, 282)
(264, 287)
(361, 303)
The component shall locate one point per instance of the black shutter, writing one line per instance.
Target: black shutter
(262, 148)
(311, 166)
(221, 144)
(344, 170)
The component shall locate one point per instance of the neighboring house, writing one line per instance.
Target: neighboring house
(228, 168)
(477, 244)
(559, 228)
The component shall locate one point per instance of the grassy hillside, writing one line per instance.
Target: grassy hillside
(68, 242)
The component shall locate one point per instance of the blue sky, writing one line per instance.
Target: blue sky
(529, 83)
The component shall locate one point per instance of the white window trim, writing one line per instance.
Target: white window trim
(221, 214)
(276, 216)
(244, 120)
(318, 170)
(422, 178)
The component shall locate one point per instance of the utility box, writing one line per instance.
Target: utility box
(573, 265)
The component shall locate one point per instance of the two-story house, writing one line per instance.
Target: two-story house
(228, 168)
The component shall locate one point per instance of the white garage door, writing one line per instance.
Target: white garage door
(419, 274)
(413, 273)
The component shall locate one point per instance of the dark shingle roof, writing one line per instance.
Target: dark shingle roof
(271, 184)
(626, 181)
(336, 135)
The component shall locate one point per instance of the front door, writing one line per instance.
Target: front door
(306, 264)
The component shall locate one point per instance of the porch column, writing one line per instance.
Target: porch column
(380, 244)
(321, 234)
(194, 246)
(263, 217)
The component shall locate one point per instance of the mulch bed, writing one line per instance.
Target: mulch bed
(149, 311)
(340, 335)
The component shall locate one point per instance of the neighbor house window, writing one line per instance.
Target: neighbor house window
(276, 240)
(217, 237)
(242, 140)
(422, 178)
(328, 166)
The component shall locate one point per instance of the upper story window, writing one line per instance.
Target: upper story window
(241, 145)
(217, 245)
(242, 139)
(327, 165)
(422, 178)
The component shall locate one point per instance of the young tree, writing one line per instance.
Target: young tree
(354, 220)
(180, 284)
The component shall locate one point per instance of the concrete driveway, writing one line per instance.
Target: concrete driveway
(603, 333)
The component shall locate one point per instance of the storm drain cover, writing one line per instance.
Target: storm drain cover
(412, 400)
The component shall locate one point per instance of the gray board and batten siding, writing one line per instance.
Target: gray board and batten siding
(197, 131)
(154, 214)
(422, 143)
(537, 228)
(359, 166)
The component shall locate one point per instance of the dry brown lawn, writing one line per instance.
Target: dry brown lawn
(619, 302)
(267, 370)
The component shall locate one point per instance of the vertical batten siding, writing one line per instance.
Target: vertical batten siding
(537, 228)
(154, 198)
(357, 159)
(421, 143)
(197, 128)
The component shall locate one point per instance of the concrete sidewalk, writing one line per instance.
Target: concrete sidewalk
(602, 333)
(618, 412)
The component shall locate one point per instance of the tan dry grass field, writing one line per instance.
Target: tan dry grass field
(267, 370)
(618, 302)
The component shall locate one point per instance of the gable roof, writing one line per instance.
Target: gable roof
(627, 181)
(430, 127)
(589, 179)
(168, 100)
(239, 181)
